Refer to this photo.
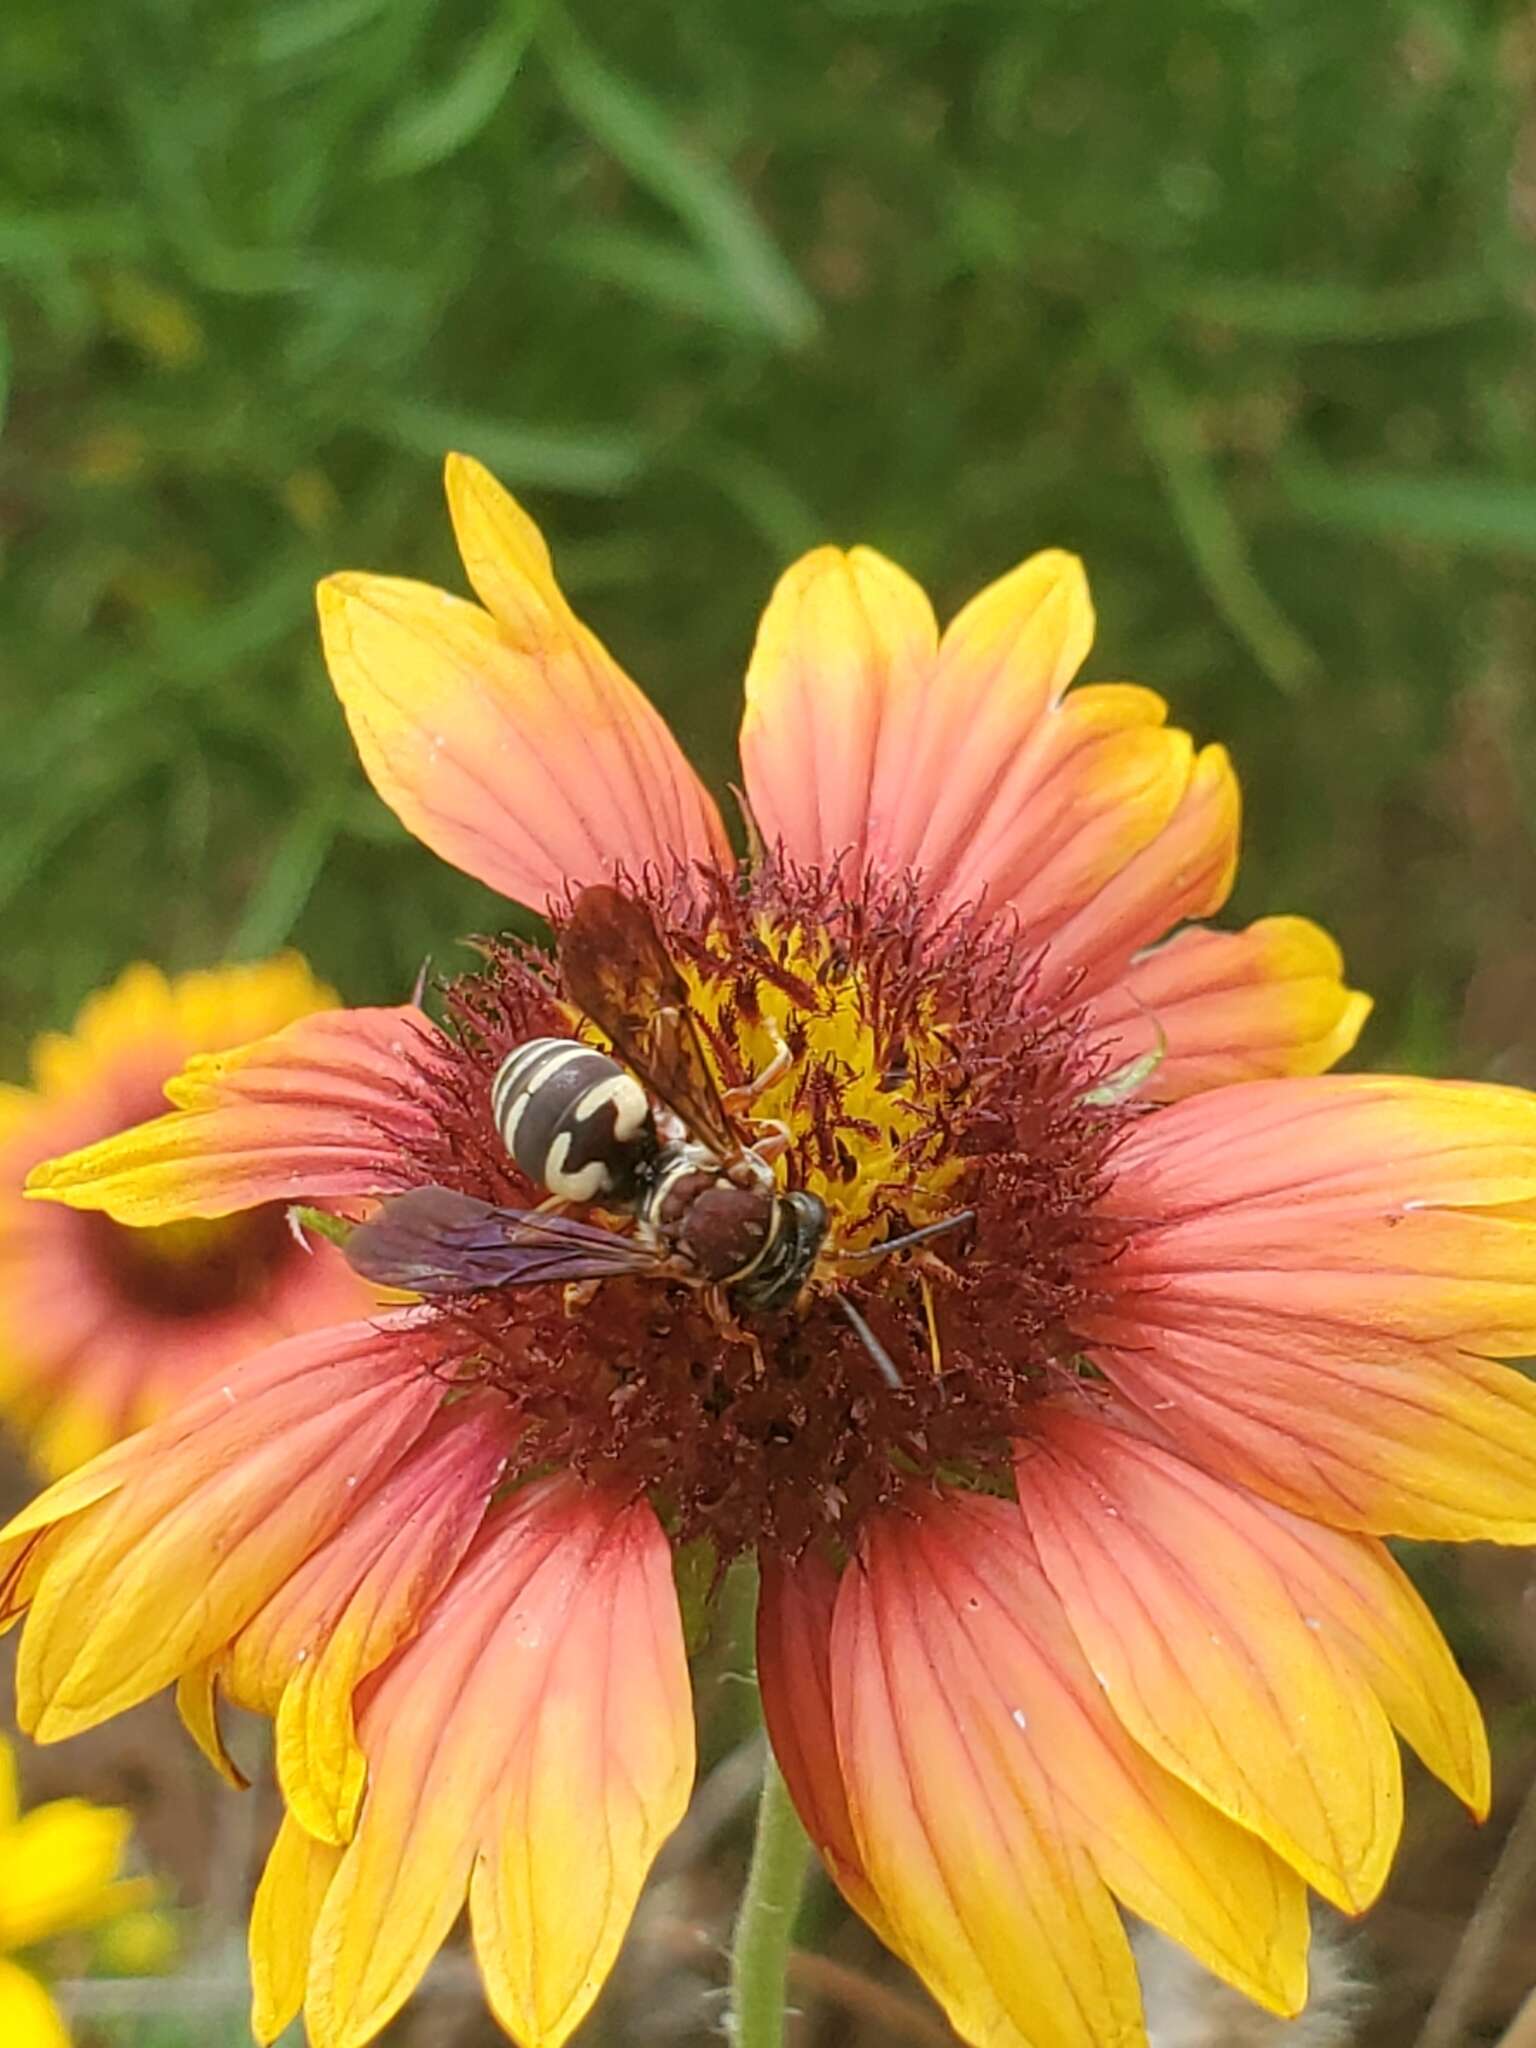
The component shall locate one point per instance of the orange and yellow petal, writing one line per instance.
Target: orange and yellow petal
(868, 737)
(794, 1675)
(1041, 1736)
(1100, 780)
(1353, 1589)
(1320, 1277)
(532, 1746)
(287, 1904)
(953, 773)
(994, 1903)
(1210, 1654)
(1167, 1855)
(28, 2016)
(843, 654)
(353, 1602)
(508, 740)
(1231, 1006)
(327, 1107)
(210, 1512)
(1185, 871)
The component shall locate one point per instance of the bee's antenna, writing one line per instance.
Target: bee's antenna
(899, 1244)
(871, 1342)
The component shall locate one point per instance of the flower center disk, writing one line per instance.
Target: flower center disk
(923, 1078)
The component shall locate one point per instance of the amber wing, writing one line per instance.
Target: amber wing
(616, 966)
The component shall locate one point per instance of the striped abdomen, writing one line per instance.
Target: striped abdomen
(573, 1120)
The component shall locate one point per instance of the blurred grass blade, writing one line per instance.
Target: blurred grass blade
(437, 126)
(657, 272)
(633, 129)
(1310, 311)
(550, 458)
(765, 498)
(1212, 535)
(279, 899)
(1444, 508)
(283, 33)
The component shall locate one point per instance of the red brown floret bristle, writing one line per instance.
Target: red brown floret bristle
(787, 1431)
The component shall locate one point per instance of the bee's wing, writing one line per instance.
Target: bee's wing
(433, 1241)
(616, 966)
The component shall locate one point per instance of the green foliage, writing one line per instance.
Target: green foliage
(1230, 297)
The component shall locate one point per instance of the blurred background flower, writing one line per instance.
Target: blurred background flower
(61, 1881)
(1235, 301)
(102, 1327)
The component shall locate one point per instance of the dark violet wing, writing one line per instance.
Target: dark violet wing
(615, 965)
(434, 1241)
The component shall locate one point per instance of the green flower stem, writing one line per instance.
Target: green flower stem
(760, 1945)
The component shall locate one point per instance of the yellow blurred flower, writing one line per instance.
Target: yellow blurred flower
(59, 1874)
(103, 1328)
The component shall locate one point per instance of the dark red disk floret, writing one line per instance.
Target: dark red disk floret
(781, 1428)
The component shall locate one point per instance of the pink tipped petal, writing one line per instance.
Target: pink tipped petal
(161, 1573)
(532, 1744)
(1231, 1006)
(513, 745)
(844, 650)
(1208, 1654)
(995, 1905)
(1035, 1705)
(330, 1106)
(293, 1886)
(351, 1604)
(794, 1625)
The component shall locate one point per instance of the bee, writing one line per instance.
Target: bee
(647, 1133)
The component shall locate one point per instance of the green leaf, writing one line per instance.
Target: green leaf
(522, 454)
(280, 34)
(439, 125)
(1212, 535)
(1310, 311)
(1446, 508)
(634, 130)
(277, 902)
(661, 273)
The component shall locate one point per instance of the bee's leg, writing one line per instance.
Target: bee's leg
(577, 1294)
(930, 1316)
(775, 1141)
(552, 1205)
(738, 1098)
(717, 1304)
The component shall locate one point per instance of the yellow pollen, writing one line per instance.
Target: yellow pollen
(865, 1114)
